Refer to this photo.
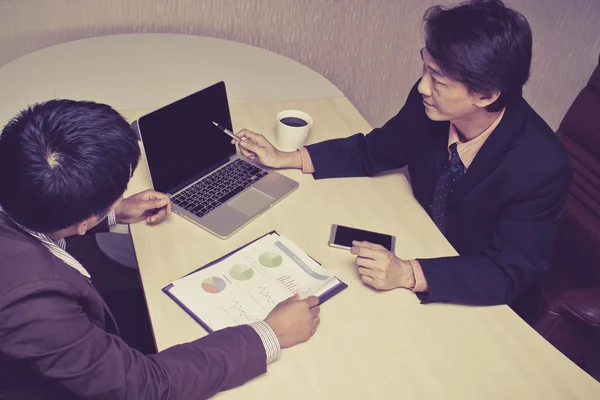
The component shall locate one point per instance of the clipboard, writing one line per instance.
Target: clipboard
(168, 290)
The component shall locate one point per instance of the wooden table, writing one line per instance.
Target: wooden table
(370, 345)
(151, 70)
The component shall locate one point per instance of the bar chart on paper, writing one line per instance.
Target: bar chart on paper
(288, 282)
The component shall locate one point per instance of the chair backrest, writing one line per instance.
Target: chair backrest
(577, 247)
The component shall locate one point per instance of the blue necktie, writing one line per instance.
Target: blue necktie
(446, 184)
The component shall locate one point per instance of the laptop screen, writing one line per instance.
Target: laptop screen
(181, 142)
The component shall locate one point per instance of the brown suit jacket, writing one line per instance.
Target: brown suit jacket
(58, 339)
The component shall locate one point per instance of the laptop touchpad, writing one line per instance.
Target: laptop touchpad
(251, 202)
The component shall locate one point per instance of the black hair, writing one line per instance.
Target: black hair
(64, 161)
(483, 44)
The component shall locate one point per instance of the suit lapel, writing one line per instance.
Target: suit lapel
(431, 158)
(491, 154)
(438, 150)
(110, 323)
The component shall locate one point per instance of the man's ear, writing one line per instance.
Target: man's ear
(82, 228)
(90, 223)
(483, 100)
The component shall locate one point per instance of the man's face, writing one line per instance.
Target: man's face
(444, 99)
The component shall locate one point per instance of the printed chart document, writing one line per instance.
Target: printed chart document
(245, 285)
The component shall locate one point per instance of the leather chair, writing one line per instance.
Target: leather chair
(568, 314)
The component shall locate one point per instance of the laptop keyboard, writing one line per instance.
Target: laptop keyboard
(218, 187)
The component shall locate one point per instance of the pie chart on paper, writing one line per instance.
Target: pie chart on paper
(241, 272)
(213, 285)
(270, 259)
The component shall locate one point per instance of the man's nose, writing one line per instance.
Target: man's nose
(424, 87)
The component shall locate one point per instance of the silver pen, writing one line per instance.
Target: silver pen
(227, 131)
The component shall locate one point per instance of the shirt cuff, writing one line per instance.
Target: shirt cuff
(420, 281)
(112, 219)
(268, 339)
(307, 164)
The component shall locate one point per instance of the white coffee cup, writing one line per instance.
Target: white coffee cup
(293, 127)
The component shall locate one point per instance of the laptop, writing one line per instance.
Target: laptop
(195, 163)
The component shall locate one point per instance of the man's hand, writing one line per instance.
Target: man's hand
(256, 147)
(150, 205)
(380, 268)
(294, 321)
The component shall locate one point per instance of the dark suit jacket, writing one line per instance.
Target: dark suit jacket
(502, 217)
(58, 339)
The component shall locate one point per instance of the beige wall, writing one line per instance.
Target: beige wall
(368, 48)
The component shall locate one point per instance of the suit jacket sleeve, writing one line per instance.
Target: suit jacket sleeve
(44, 325)
(381, 150)
(519, 253)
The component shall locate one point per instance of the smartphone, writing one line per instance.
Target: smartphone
(342, 237)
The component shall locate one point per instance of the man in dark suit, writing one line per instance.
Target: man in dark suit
(64, 166)
(484, 165)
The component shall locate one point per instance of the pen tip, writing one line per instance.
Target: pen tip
(215, 123)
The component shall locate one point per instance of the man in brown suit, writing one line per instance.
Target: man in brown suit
(64, 166)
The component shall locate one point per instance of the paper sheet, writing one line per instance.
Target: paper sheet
(246, 286)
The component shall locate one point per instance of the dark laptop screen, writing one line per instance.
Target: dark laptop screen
(181, 142)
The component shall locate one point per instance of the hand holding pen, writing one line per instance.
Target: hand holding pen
(256, 147)
(228, 132)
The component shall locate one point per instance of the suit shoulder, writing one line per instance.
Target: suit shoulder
(24, 260)
(540, 144)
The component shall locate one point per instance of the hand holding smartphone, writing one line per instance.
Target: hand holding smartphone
(342, 236)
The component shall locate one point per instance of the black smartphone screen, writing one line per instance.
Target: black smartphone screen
(345, 235)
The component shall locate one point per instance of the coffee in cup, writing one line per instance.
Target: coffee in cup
(293, 127)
